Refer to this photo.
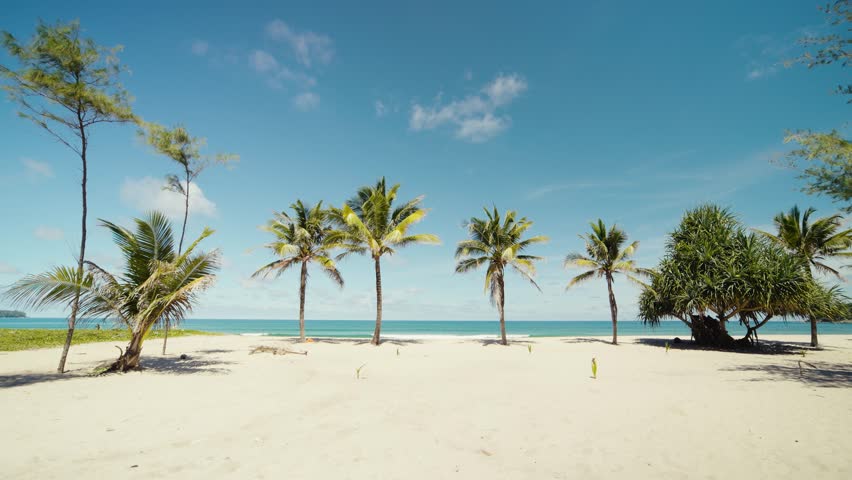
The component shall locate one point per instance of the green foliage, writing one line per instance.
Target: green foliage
(369, 223)
(305, 237)
(712, 266)
(829, 170)
(668, 346)
(812, 241)
(358, 371)
(833, 47)
(155, 286)
(498, 243)
(28, 339)
(605, 255)
(67, 81)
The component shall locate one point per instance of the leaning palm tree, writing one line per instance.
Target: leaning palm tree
(300, 240)
(605, 257)
(498, 243)
(155, 286)
(370, 225)
(813, 242)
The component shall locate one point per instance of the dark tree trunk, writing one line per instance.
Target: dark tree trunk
(302, 285)
(378, 332)
(613, 309)
(180, 246)
(129, 359)
(814, 339)
(75, 304)
(501, 307)
(708, 331)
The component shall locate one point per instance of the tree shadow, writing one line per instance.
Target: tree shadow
(818, 374)
(764, 347)
(485, 342)
(586, 340)
(22, 379)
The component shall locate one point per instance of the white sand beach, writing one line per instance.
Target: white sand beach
(445, 408)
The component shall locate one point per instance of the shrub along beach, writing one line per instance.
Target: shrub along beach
(419, 406)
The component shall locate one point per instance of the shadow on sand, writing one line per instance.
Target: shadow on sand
(354, 341)
(817, 374)
(586, 340)
(764, 347)
(197, 363)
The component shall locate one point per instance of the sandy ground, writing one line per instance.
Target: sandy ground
(436, 409)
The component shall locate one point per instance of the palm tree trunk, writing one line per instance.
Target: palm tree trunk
(814, 339)
(129, 359)
(613, 310)
(378, 332)
(501, 306)
(302, 285)
(75, 304)
(180, 246)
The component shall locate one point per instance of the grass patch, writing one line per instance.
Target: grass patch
(27, 339)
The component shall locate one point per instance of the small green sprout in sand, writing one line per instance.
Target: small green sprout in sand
(529, 348)
(594, 368)
(803, 353)
(397, 352)
(358, 372)
(668, 346)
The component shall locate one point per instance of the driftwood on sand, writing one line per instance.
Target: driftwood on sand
(275, 350)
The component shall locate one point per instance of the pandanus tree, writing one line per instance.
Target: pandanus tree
(301, 239)
(497, 244)
(813, 242)
(67, 85)
(185, 150)
(155, 286)
(605, 256)
(714, 272)
(369, 224)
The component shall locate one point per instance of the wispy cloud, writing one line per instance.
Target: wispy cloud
(475, 116)
(310, 48)
(147, 193)
(306, 101)
(767, 54)
(44, 232)
(37, 169)
(276, 74)
(200, 47)
(381, 108)
(548, 189)
(6, 269)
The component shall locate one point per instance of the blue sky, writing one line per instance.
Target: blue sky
(564, 111)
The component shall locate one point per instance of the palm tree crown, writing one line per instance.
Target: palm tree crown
(303, 237)
(605, 255)
(814, 241)
(498, 243)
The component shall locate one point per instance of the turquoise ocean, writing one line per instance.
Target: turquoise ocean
(423, 328)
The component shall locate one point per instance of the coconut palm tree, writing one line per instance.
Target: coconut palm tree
(369, 224)
(498, 243)
(605, 257)
(300, 240)
(155, 286)
(813, 242)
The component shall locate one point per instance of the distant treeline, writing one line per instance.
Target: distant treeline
(11, 314)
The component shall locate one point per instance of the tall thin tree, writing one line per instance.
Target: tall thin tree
(185, 150)
(498, 243)
(66, 84)
(300, 240)
(813, 242)
(369, 224)
(605, 257)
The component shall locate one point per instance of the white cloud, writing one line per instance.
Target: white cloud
(468, 74)
(36, 168)
(309, 47)
(43, 232)
(306, 101)
(474, 116)
(277, 75)
(146, 194)
(6, 269)
(262, 61)
(381, 108)
(200, 47)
